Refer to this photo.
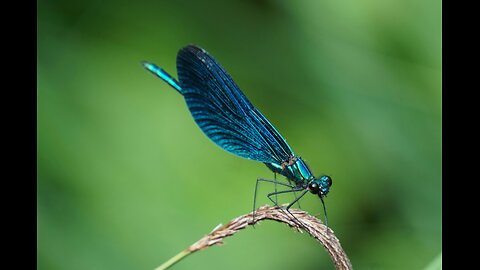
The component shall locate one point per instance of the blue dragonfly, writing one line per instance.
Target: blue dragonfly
(227, 117)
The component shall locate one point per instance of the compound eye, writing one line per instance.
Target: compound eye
(313, 187)
(329, 181)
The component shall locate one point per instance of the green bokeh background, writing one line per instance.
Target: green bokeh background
(126, 179)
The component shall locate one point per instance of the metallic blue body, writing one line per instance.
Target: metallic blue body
(298, 172)
(228, 118)
(162, 74)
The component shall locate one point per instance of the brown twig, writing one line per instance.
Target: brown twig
(303, 221)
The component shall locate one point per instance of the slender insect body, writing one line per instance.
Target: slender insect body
(228, 118)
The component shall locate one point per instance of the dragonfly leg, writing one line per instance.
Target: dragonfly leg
(288, 191)
(275, 184)
(296, 199)
(295, 194)
(256, 188)
(325, 212)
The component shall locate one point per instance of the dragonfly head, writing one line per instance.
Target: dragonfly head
(320, 186)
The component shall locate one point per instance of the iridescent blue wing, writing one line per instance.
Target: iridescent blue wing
(223, 112)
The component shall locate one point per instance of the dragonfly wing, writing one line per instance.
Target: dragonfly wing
(223, 112)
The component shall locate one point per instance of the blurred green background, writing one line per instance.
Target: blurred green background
(126, 179)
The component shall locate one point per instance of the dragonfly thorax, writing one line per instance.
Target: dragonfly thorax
(294, 169)
(298, 171)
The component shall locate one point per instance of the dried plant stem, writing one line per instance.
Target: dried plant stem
(303, 221)
(174, 259)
